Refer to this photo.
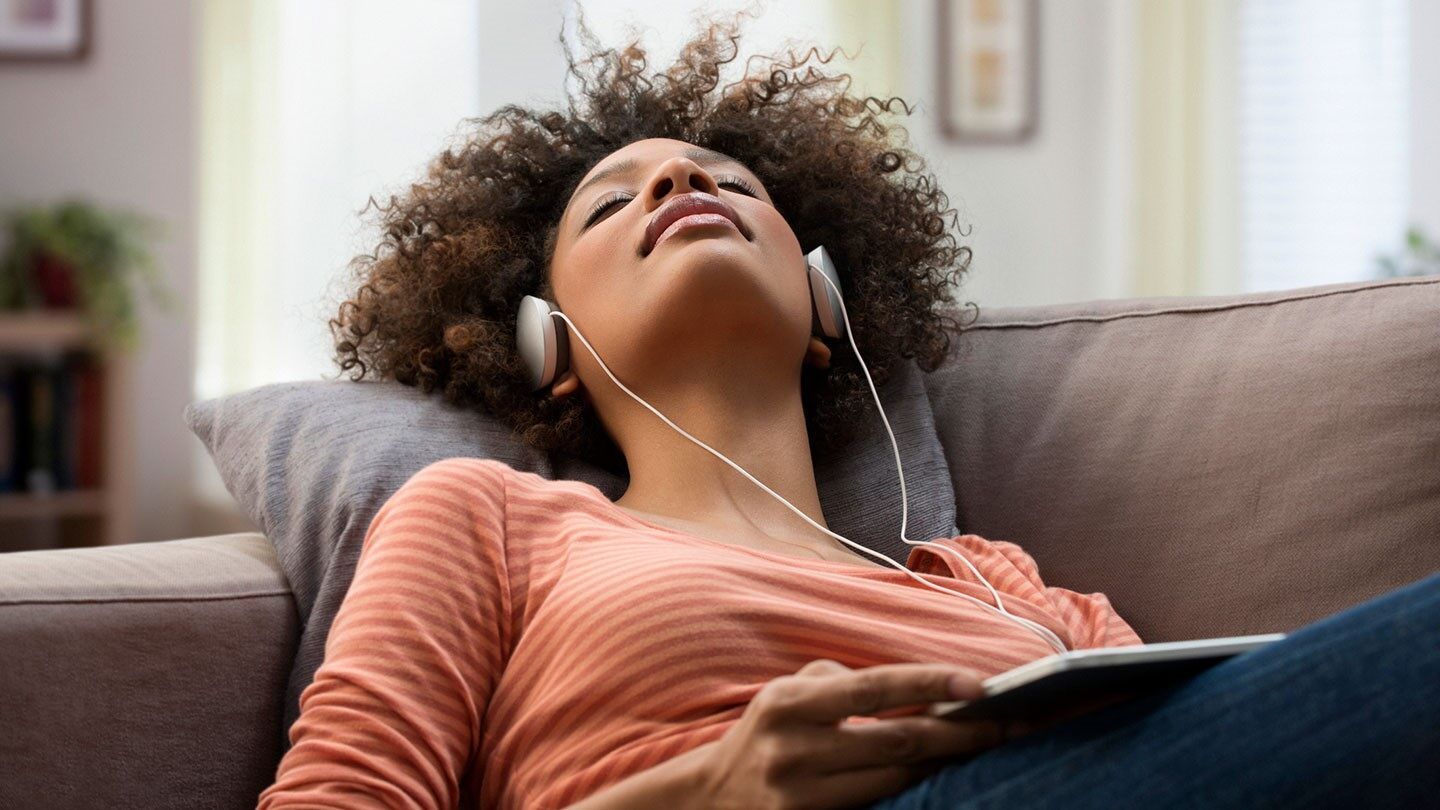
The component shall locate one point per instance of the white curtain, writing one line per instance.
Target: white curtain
(1271, 142)
(1183, 166)
(308, 109)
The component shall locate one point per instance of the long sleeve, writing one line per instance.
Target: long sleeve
(394, 714)
(1092, 620)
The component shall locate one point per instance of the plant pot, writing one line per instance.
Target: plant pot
(54, 279)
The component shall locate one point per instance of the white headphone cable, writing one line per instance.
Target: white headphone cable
(1053, 640)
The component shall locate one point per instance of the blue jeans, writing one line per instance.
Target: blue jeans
(1344, 712)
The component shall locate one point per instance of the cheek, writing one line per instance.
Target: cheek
(775, 232)
(778, 240)
(584, 279)
(592, 261)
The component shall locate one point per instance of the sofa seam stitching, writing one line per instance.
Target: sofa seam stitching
(1197, 308)
(111, 600)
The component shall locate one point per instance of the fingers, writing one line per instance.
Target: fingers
(822, 666)
(820, 698)
(825, 666)
(899, 741)
(905, 711)
(862, 788)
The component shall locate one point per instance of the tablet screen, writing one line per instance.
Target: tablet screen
(1103, 675)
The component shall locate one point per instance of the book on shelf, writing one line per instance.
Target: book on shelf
(50, 422)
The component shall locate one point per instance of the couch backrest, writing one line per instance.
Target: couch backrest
(1217, 465)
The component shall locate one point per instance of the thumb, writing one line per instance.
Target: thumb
(822, 668)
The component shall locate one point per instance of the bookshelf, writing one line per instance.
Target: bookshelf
(72, 491)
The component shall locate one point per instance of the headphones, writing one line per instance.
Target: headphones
(544, 341)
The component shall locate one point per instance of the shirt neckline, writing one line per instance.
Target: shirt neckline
(614, 508)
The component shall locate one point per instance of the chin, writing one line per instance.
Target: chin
(689, 247)
(711, 263)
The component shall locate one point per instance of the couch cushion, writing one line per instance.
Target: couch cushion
(1217, 465)
(311, 462)
(147, 675)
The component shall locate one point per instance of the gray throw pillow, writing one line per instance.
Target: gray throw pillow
(312, 462)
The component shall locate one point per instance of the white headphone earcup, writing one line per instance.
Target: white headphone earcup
(828, 320)
(542, 340)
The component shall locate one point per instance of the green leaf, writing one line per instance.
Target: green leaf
(109, 250)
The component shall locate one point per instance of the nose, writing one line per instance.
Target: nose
(678, 175)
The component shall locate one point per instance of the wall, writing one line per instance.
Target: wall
(119, 128)
(1046, 216)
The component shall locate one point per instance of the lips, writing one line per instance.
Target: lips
(684, 205)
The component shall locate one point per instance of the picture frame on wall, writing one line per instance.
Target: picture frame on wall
(989, 65)
(44, 30)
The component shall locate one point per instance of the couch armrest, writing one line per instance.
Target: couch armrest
(143, 675)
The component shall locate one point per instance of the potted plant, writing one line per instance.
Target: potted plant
(76, 255)
(1421, 257)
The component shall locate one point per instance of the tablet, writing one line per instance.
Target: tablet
(1067, 679)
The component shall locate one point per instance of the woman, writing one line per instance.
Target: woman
(513, 641)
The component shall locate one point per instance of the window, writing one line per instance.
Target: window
(1323, 139)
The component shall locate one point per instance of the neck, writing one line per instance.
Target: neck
(757, 424)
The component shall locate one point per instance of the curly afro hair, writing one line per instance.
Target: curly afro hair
(437, 300)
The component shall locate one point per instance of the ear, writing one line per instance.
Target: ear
(568, 384)
(817, 353)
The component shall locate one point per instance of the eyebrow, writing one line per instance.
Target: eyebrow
(701, 155)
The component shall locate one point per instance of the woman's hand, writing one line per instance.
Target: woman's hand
(790, 748)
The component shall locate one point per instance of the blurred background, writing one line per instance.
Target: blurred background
(181, 181)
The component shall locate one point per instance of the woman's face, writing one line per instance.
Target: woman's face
(705, 300)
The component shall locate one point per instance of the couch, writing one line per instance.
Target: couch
(1217, 465)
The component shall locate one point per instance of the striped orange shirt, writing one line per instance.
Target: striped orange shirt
(509, 641)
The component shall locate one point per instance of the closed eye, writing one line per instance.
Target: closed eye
(620, 197)
(741, 183)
